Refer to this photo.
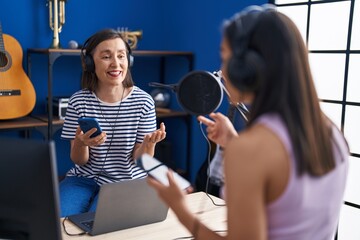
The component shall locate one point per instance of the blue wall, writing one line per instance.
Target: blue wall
(185, 25)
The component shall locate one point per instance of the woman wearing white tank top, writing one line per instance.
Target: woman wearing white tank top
(285, 173)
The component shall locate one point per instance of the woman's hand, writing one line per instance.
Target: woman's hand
(219, 130)
(149, 143)
(84, 139)
(172, 195)
(79, 152)
(157, 136)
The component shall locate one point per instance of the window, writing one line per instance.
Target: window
(331, 30)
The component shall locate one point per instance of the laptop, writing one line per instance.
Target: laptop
(122, 205)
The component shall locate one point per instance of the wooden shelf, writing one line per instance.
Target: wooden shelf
(168, 113)
(42, 120)
(28, 122)
(24, 122)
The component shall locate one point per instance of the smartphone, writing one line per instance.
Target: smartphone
(158, 170)
(88, 123)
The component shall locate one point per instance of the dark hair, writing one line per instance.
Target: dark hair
(287, 88)
(89, 80)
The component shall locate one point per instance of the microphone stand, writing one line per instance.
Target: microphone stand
(242, 109)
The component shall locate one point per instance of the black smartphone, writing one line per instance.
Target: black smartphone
(88, 123)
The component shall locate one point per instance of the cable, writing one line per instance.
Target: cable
(71, 234)
(242, 109)
(112, 135)
(104, 173)
(208, 170)
(244, 112)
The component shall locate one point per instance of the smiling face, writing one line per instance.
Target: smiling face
(111, 62)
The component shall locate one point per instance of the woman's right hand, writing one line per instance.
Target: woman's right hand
(219, 129)
(171, 194)
(86, 140)
(79, 153)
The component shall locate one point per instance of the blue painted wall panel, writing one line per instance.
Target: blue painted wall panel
(185, 25)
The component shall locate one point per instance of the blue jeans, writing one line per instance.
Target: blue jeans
(78, 195)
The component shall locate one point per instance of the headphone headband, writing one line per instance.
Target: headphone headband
(246, 66)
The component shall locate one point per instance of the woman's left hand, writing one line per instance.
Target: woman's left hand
(149, 143)
(157, 136)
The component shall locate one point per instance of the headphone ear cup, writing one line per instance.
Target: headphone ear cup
(89, 63)
(246, 72)
(129, 54)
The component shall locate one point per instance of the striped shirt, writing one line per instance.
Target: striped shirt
(125, 123)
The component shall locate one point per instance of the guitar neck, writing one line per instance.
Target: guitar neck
(2, 47)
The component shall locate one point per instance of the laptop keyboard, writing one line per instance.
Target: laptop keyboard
(88, 224)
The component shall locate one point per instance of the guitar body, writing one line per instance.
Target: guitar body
(17, 94)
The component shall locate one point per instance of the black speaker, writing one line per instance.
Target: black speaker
(88, 60)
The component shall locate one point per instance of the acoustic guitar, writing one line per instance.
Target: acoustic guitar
(17, 94)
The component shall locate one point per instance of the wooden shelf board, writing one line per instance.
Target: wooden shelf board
(27, 122)
(42, 120)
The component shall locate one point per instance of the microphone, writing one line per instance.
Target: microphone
(198, 92)
(218, 74)
(172, 87)
(242, 109)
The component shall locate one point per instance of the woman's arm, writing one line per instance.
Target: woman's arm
(245, 179)
(173, 196)
(245, 194)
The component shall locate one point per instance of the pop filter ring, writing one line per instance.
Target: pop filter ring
(198, 92)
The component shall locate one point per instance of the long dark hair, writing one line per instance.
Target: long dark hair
(89, 80)
(287, 89)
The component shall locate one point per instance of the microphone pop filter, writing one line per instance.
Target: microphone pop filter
(199, 93)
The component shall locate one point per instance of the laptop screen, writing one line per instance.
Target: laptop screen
(29, 203)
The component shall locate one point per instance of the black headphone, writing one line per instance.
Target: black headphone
(246, 66)
(88, 59)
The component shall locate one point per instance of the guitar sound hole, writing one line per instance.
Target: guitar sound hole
(3, 60)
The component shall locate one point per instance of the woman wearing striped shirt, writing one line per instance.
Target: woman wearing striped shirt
(125, 113)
